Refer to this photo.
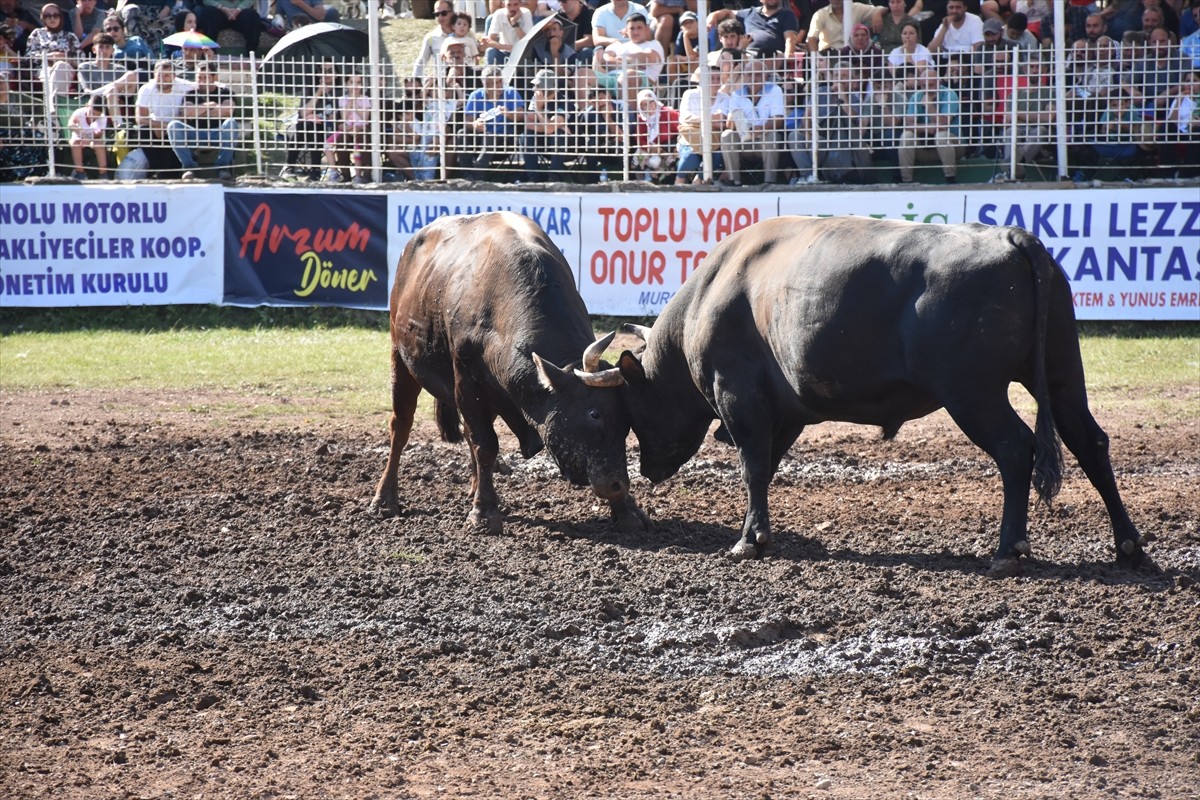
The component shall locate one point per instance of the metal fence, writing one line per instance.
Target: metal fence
(1097, 110)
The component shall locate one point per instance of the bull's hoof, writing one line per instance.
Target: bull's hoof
(489, 522)
(1009, 567)
(743, 550)
(1131, 555)
(630, 519)
(385, 509)
(764, 540)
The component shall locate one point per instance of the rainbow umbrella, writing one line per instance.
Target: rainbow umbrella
(191, 40)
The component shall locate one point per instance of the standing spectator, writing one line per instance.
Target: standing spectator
(657, 133)
(625, 67)
(59, 46)
(492, 113)
(544, 144)
(772, 28)
(579, 14)
(86, 21)
(505, 28)
(87, 125)
(157, 104)
(765, 112)
(431, 45)
(22, 22)
(350, 133)
(828, 30)
(610, 19)
(315, 121)
(898, 14)
(302, 12)
(665, 14)
(205, 119)
(240, 15)
(932, 128)
(911, 53)
(960, 30)
(126, 47)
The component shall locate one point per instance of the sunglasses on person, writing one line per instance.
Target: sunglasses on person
(113, 29)
(52, 15)
(444, 13)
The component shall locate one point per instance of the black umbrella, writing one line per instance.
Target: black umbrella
(291, 66)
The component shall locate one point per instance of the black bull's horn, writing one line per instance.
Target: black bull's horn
(591, 374)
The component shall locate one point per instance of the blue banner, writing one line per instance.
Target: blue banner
(306, 249)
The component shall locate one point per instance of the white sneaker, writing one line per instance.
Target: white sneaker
(333, 176)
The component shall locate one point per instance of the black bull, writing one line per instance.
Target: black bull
(484, 313)
(797, 320)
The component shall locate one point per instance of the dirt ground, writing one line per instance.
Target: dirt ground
(198, 604)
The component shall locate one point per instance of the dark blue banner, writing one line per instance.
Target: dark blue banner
(306, 249)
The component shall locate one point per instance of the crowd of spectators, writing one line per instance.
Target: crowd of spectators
(540, 90)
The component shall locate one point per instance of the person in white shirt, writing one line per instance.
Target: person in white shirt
(959, 32)
(762, 134)
(626, 67)
(728, 110)
(609, 21)
(431, 45)
(505, 28)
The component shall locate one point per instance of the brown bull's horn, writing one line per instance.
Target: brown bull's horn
(591, 356)
(640, 331)
(602, 380)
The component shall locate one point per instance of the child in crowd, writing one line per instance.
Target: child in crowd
(354, 110)
(462, 27)
(87, 126)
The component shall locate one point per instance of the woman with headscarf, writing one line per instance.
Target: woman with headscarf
(657, 133)
(59, 47)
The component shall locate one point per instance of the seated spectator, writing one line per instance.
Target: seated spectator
(685, 54)
(1035, 112)
(8, 64)
(349, 136)
(609, 21)
(87, 20)
(891, 23)
(549, 49)
(1121, 16)
(436, 127)
(1156, 76)
(1094, 70)
(87, 126)
(843, 117)
(932, 128)
(772, 29)
(505, 28)
(158, 103)
(960, 30)
(111, 79)
(303, 12)
(60, 49)
(21, 22)
(762, 136)
(911, 53)
(461, 34)
(579, 14)
(1180, 142)
(1094, 27)
(125, 46)
(862, 56)
(657, 134)
(240, 15)
(727, 112)
(493, 115)
(626, 67)
(595, 125)
(431, 45)
(666, 14)
(544, 143)
(315, 122)
(205, 119)
(828, 31)
(1017, 35)
(731, 35)
(1039, 18)
(149, 21)
(1161, 15)
(1122, 136)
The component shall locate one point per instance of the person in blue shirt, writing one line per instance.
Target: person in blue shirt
(931, 127)
(494, 115)
(127, 48)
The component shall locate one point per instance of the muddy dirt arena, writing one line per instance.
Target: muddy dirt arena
(198, 604)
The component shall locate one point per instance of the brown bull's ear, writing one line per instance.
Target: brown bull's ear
(550, 376)
(631, 368)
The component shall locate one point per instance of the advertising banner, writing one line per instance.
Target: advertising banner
(638, 249)
(557, 214)
(110, 245)
(306, 248)
(1129, 255)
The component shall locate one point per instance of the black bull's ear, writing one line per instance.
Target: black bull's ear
(631, 369)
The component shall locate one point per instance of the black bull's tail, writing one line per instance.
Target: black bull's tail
(448, 422)
(1047, 450)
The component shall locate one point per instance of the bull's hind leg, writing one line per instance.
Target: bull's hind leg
(405, 390)
(485, 448)
(1089, 443)
(991, 423)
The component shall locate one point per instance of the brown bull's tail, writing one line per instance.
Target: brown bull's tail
(448, 422)
(1047, 450)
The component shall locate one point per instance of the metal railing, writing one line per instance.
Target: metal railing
(993, 114)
